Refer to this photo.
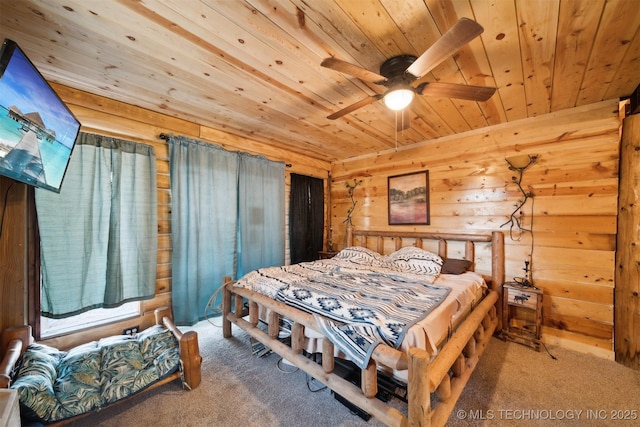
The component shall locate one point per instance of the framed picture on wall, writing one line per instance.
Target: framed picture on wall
(409, 198)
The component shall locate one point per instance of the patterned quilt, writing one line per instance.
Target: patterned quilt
(358, 305)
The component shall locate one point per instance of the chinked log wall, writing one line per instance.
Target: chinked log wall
(108, 117)
(575, 187)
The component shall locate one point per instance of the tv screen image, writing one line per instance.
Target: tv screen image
(37, 130)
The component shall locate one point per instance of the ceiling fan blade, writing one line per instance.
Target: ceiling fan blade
(451, 41)
(354, 70)
(353, 107)
(453, 90)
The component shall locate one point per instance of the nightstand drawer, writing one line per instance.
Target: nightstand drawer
(522, 298)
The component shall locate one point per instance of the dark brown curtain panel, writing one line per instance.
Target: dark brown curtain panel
(306, 217)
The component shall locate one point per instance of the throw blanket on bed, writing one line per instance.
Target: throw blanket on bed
(359, 309)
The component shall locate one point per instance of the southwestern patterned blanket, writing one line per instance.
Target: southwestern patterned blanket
(360, 298)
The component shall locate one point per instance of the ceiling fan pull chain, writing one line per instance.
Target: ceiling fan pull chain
(396, 129)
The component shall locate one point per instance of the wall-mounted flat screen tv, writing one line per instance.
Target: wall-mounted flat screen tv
(37, 130)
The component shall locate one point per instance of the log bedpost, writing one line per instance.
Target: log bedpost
(328, 361)
(297, 337)
(469, 251)
(419, 392)
(442, 248)
(497, 270)
(369, 379)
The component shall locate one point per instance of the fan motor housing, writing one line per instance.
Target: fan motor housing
(395, 68)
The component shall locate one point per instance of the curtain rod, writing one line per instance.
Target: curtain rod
(165, 137)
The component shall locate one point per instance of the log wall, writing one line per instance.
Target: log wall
(575, 190)
(14, 251)
(108, 117)
(627, 295)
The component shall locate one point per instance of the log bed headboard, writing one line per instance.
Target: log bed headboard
(379, 241)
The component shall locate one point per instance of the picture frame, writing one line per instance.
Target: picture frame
(408, 199)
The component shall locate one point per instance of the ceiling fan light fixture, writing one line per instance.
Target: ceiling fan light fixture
(398, 99)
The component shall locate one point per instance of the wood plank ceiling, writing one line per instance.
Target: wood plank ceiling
(252, 67)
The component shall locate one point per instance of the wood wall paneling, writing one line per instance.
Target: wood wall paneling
(575, 187)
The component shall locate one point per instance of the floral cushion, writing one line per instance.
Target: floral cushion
(54, 385)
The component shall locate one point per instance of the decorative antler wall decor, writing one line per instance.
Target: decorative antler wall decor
(351, 189)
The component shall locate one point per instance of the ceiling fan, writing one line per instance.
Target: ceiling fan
(401, 75)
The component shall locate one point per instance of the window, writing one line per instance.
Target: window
(98, 236)
(100, 316)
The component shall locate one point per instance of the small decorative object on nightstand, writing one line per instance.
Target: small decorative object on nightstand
(326, 254)
(522, 314)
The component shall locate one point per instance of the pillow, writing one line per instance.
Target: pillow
(160, 350)
(455, 266)
(411, 259)
(35, 381)
(121, 363)
(78, 387)
(360, 256)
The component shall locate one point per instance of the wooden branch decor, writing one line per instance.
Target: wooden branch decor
(519, 165)
(351, 189)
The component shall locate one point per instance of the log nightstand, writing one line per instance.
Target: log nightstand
(522, 314)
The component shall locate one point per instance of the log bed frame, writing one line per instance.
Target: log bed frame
(446, 375)
(15, 340)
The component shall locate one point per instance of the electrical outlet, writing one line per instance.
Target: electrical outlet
(130, 331)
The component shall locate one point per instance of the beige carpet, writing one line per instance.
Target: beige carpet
(513, 386)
